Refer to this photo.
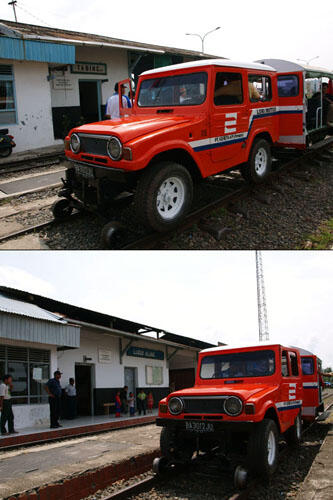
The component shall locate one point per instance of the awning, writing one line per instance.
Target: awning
(31, 50)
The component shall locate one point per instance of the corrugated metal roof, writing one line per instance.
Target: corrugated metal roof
(30, 50)
(13, 306)
(30, 30)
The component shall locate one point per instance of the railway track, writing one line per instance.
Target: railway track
(227, 191)
(23, 164)
(150, 483)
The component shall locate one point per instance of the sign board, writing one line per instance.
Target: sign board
(62, 83)
(104, 356)
(88, 68)
(140, 352)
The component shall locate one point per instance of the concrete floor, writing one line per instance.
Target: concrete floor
(25, 469)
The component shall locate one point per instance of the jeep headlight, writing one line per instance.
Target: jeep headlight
(115, 148)
(75, 143)
(233, 406)
(175, 406)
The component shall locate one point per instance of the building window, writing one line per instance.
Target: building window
(228, 89)
(30, 369)
(260, 88)
(154, 375)
(7, 95)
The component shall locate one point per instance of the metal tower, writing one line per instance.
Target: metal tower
(262, 310)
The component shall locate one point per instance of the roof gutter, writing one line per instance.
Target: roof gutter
(118, 333)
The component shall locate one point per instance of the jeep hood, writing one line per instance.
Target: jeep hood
(244, 390)
(132, 127)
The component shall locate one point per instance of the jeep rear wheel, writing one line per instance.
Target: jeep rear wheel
(260, 162)
(294, 433)
(263, 449)
(164, 195)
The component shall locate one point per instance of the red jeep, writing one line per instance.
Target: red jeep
(243, 399)
(187, 122)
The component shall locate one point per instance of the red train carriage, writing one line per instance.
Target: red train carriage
(243, 398)
(188, 122)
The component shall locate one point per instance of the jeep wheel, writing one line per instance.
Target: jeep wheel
(260, 163)
(61, 209)
(164, 195)
(263, 449)
(173, 448)
(294, 433)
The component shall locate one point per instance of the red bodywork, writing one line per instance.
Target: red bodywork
(278, 395)
(312, 387)
(201, 131)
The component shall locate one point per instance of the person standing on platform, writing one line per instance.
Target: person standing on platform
(142, 401)
(53, 388)
(70, 399)
(7, 414)
(150, 402)
(112, 111)
(123, 399)
(131, 404)
(118, 404)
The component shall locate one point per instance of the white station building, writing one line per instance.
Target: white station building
(103, 353)
(52, 80)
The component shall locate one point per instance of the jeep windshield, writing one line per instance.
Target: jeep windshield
(176, 90)
(238, 365)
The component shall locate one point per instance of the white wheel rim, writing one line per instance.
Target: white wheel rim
(170, 198)
(260, 163)
(271, 448)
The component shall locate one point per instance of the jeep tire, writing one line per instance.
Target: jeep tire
(263, 449)
(163, 195)
(293, 435)
(259, 165)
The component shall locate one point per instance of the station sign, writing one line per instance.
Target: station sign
(88, 68)
(140, 352)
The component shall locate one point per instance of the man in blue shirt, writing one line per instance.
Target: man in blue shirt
(53, 388)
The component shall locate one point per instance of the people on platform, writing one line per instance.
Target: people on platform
(112, 111)
(150, 402)
(118, 404)
(7, 415)
(53, 388)
(142, 396)
(123, 399)
(71, 400)
(131, 404)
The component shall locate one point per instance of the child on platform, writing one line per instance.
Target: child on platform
(131, 404)
(118, 404)
(150, 402)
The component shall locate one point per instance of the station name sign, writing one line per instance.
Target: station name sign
(139, 352)
(88, 68)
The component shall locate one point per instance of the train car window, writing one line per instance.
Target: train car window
(228, 89)
(284, 364)
(260, 88)
(293, 363)
(288, 85)
(307, 366)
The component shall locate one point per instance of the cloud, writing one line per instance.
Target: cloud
(14, 277)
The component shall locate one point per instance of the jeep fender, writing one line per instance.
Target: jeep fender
(258, 134)
(269, 410)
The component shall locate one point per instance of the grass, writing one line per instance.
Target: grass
(322, 239)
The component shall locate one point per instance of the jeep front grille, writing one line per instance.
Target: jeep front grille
(94, 144)
(204, 405)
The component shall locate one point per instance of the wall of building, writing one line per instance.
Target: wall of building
(29, 415)
(34, 127)
(110, 376)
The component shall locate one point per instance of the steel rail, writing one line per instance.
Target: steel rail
(30, 163)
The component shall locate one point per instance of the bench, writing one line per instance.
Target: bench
(107, 408)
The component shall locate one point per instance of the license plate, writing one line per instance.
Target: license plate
(83, 171)
(199, 426)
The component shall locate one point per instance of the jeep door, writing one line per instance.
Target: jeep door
(291, 390)
(311, 387)
(229, 119)
(291, 109)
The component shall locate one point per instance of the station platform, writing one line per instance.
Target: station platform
(81, 426)
(32, 154)
(318, 485)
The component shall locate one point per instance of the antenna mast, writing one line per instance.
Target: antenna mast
(13, 3)
(261, 297)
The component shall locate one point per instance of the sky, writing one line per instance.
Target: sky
(209, 296)
(298, 29)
